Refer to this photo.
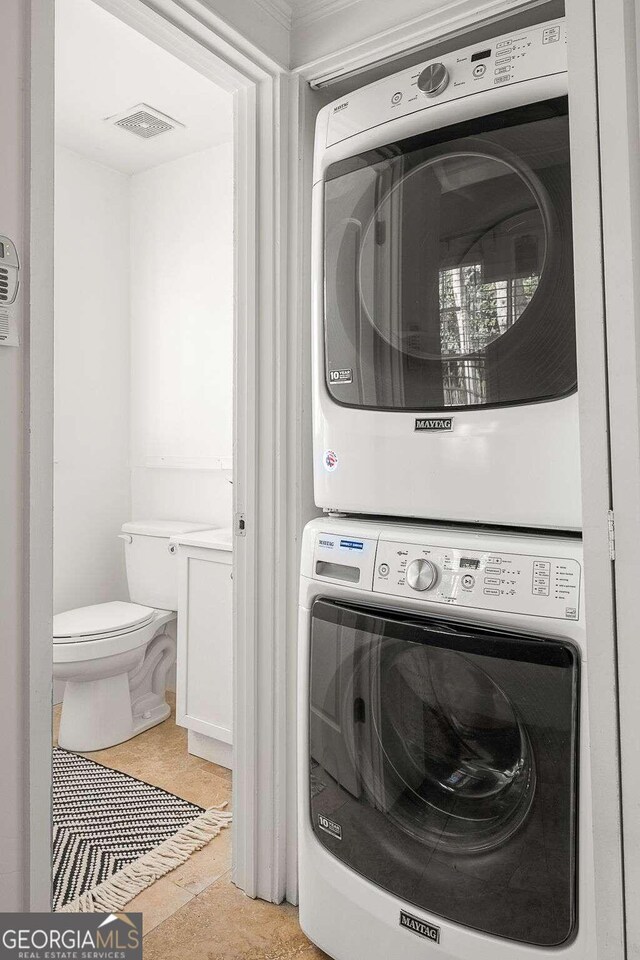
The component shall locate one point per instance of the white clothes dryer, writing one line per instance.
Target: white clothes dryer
(444, 760)
(444, 360)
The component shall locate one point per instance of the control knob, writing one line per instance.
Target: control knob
(421, 574)
(433, 79)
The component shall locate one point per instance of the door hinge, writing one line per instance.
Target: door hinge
(611, 525)
(240, 526)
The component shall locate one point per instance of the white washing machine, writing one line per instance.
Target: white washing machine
(444, 361)
(444, 763)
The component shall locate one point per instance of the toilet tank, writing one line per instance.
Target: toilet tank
(152, 567)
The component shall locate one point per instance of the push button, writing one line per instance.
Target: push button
(383, 569)
(468, 581)
(493, 593)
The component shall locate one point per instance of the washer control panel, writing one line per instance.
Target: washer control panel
(534, 585)
(537, 51)
(421, 574)
(433, 80)
(342, 558)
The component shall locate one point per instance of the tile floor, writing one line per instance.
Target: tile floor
(195, 912)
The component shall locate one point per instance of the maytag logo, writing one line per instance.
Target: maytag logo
(329, 544)
(341, 106)
(421, 927)
(434, 423)
(333, 829)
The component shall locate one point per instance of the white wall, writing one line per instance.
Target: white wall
(91, 441)
(182, 338)
(143, 363)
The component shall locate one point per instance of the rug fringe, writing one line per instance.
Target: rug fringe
(113, 894)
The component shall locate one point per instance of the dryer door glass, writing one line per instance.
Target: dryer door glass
(448, 267)
(443, 766)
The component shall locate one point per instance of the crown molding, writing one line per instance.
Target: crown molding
(280, 10)
(308, 12)
(450, 17)
(304, 13)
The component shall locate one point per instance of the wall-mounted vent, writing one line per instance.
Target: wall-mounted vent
(4, 285)
(144, 121)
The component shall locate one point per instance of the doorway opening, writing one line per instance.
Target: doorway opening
(143, 469)
(266, 463)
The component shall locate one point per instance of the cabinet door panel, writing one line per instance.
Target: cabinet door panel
(207, 648)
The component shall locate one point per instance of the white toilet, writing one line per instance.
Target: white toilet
(114, 657)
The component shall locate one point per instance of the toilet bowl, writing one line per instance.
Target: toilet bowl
(115, 679)
(114, 657)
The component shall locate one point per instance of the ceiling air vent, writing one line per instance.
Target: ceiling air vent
(144, 121)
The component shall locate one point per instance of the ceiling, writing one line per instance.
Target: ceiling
(302, 7)
(104, 68)
(306, 11)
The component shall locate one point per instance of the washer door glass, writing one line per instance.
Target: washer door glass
(450, 740)
(443, 766)
(448, 267)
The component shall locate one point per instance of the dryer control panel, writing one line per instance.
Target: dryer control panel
(513, 583)
(538, 51)
(479, 576)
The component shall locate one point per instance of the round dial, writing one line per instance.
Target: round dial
(421, 574)
(433, 79)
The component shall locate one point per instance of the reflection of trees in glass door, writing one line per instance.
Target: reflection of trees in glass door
(473, 313)
(467, 322)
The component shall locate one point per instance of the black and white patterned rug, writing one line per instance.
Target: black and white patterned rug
(108, 828)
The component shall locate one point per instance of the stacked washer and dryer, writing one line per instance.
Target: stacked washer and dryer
(444, 762)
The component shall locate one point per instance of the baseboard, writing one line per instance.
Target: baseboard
(215, 751)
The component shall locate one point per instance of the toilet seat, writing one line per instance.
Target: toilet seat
(99, 621)
(100, 646)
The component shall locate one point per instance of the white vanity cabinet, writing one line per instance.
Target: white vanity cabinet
(204, 670)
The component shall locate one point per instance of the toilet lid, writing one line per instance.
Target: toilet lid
(99, 619)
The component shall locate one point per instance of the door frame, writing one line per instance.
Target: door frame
(617, 62)
(264, 449)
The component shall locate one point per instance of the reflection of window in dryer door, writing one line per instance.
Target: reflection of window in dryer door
(448, 266)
